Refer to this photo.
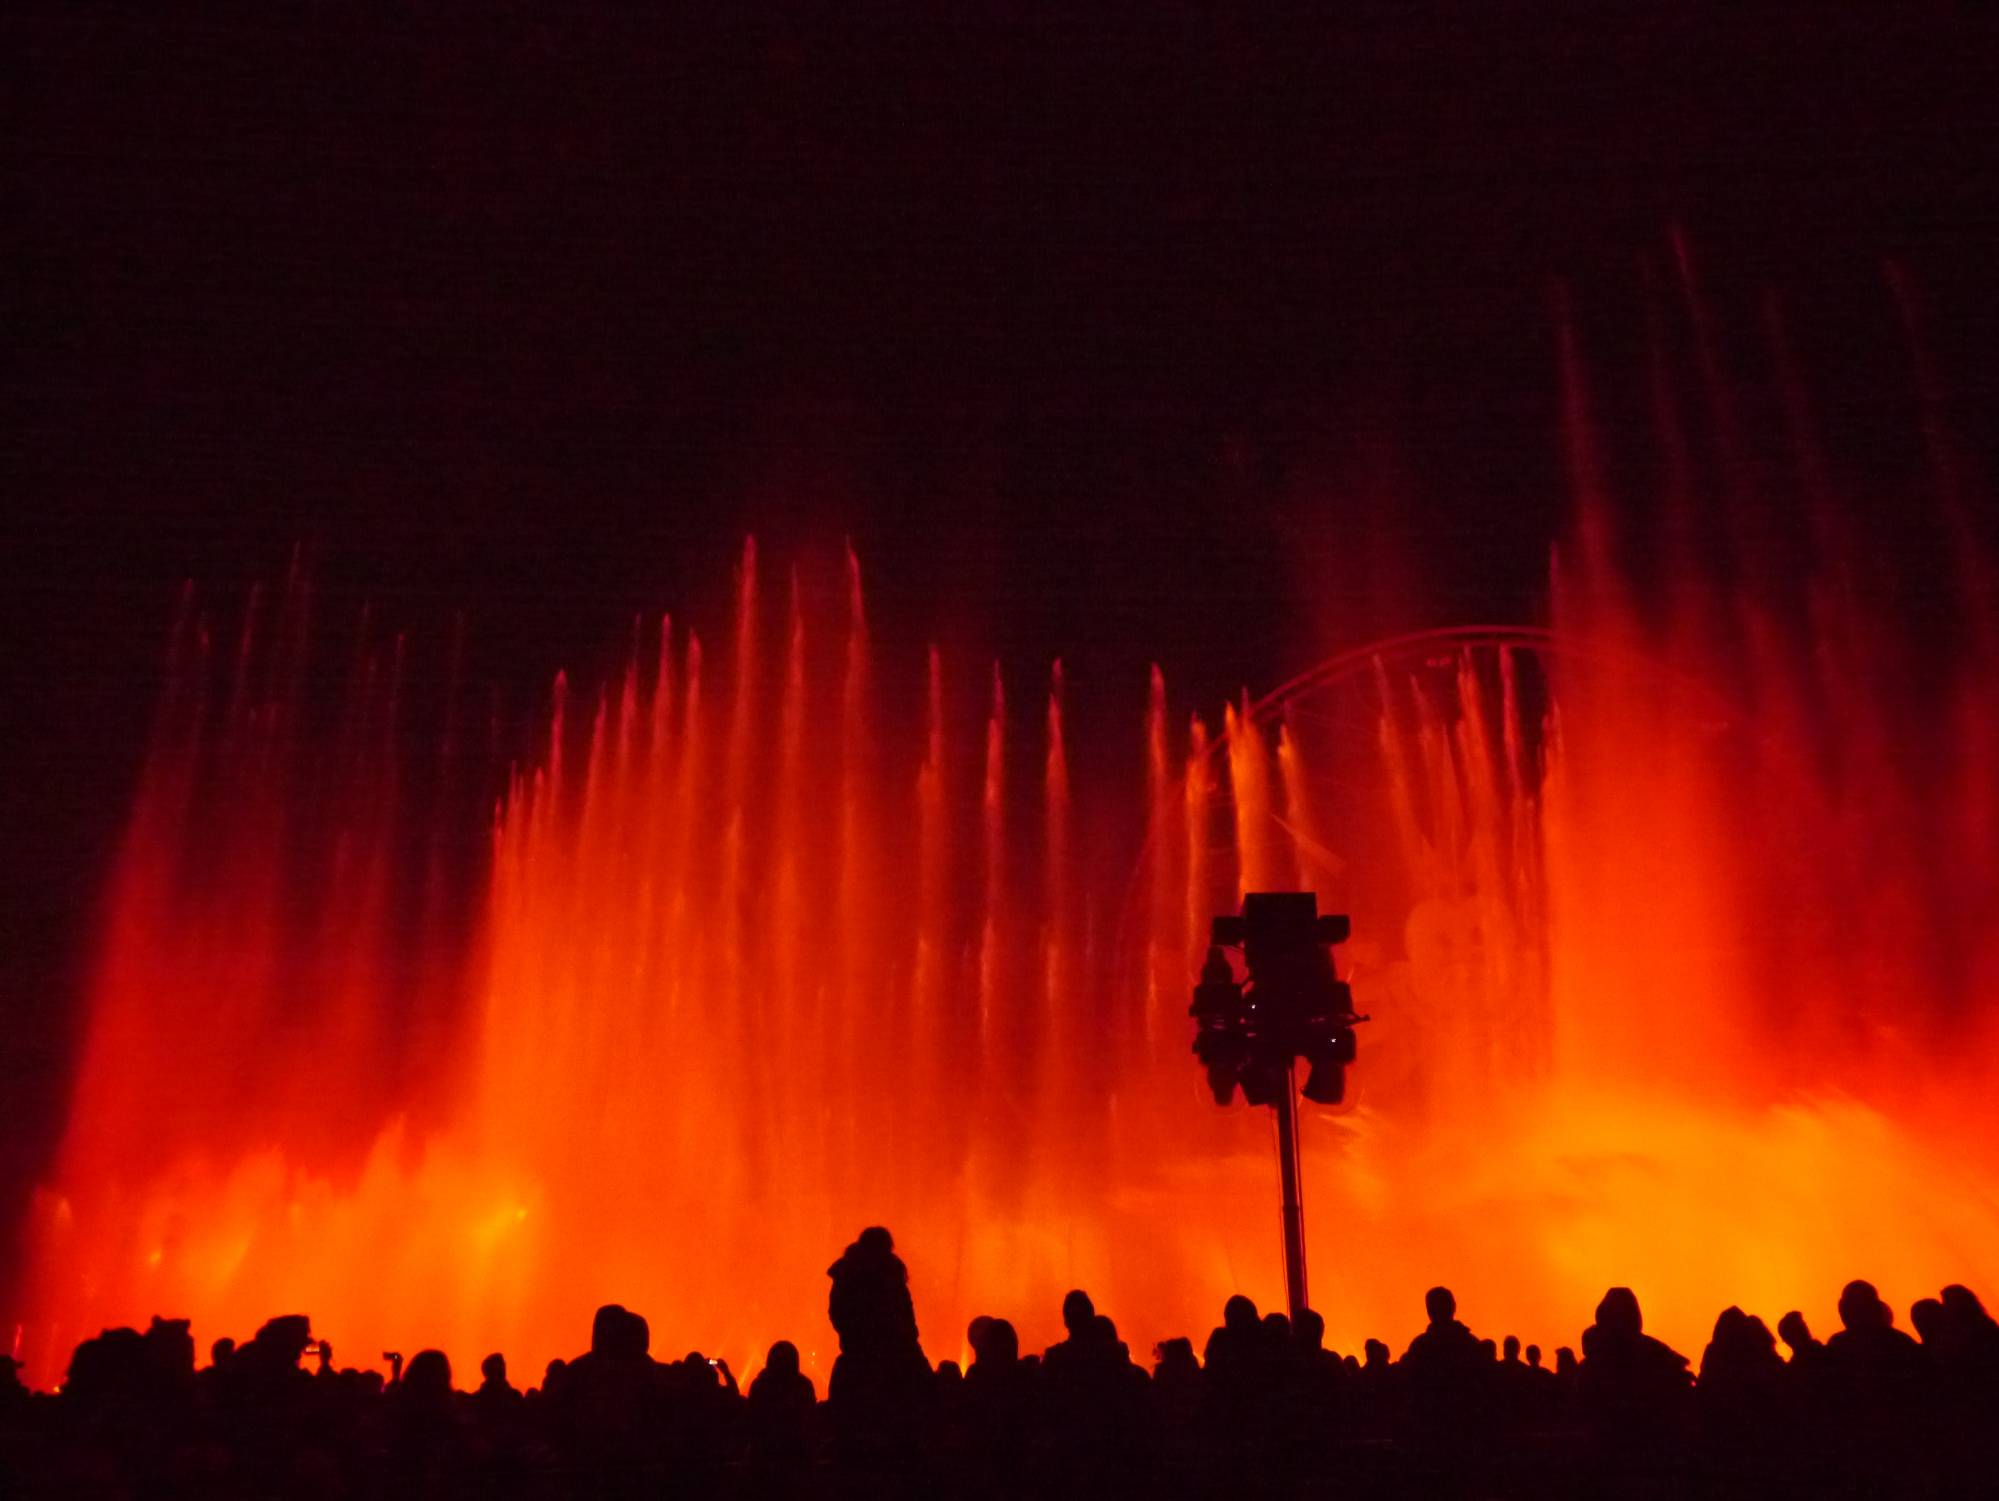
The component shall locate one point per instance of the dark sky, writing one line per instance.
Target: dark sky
(1101, 337)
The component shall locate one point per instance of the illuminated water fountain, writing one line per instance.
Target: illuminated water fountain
(1682, 964)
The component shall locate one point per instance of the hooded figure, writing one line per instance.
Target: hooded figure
(881, 1377)
(870, 1305)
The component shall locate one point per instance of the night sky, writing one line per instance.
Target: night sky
(1124, 340)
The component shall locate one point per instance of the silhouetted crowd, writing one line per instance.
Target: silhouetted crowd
(1265, 1409)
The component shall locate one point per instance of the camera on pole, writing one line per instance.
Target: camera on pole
(1248, 1033)
(1292, 1004)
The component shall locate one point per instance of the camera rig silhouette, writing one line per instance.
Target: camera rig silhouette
(1249, 1033)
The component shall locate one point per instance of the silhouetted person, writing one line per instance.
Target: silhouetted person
(1445, 1339)
(426, 1445)
(1320, 1369)
(277, 1345)
(1743, 1398)
(1512, 1394)
(1805, 1347)
(1979, 1329)
(995, 1350)
(603, 1407)
(975, 1333)
(1079, 1318)
(1445, 1375)
(881, 1376)
(1869, 1357)
(1177, 1387)
(950, 1434)
(1000, 1392)
(108, 1370)
(1932, 1328)
(1965, 1379)
(426, 1385)
(496, 1400)
(1632, 1388)
(1873, 1386)
(1124, 1381)
(1374, 1388)
(1234, 1352)
(1310, 1390)
(216, 1374)
(1541, 1406)
(782, 1403)
(705, 1406)
(1087, 1388)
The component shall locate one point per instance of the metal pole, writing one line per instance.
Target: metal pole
(1294, 1197)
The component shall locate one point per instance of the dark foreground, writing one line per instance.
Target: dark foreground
(1264, 1410)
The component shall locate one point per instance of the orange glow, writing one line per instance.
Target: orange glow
(1681, 978)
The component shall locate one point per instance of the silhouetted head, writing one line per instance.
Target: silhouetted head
(1510, 1348)
(1376, 1352)
(1277, 1328)
(1310, 1330)
(975, 1335)
(169, 1347)
(1932, 1323)
(948, 1373)
(1565, 1361)
(428, 1375)
(637, 1337)
(1534, 1356)
(1239, 1314)
(220, 1352)
(1174, 1354)
(107, 1366)
(1618, 1314)
(1002, 1342)
(282, 1340)
(494, 1369)
(875, 1241)
(1728, 1326)
(553, 1372)
(1440, 1304)
(783, 1358)
(1795, 1332)
(1077, 1312)
(1489, 1349)
(1962, 1304)
(604, 1330)
(1756, 1334)
(1861, 1308)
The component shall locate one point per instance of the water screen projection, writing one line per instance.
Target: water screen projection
(1674, 910)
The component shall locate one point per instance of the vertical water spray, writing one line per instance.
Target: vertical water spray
(1665, 883)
